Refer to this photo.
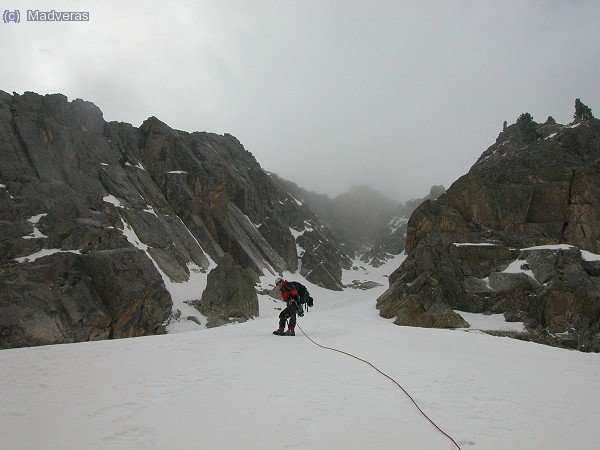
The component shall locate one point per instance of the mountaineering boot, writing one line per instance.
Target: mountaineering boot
(279, 332)
(290, 333)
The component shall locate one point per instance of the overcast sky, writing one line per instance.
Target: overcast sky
(397, 95)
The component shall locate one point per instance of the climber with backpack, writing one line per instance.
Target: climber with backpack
(295, 295)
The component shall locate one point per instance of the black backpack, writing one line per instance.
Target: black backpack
(305, 298)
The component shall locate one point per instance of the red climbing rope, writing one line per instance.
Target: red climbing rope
(385, 375)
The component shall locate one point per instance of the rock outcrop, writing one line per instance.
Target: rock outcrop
(483, 245)
(99, 220)
(229, 294)
(324, 271)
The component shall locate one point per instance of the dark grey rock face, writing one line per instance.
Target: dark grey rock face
(48, 301)
(63, 173)
(137, 206)
(130, 289)
(281, 239)
(516, 196)
(324, 271)
(229, 294)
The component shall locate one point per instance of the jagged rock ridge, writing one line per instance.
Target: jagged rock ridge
(97, 219)
(483, 245)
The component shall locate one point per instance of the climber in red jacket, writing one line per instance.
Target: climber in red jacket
(289, 294)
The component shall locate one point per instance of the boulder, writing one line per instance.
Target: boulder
(229, 294)
(418, 304)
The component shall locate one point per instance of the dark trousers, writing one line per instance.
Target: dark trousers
(283, 315)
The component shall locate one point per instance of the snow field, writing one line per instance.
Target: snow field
(488, 322)
(238, 386)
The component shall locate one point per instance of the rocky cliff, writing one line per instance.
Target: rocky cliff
(518, 234)
(102, 223)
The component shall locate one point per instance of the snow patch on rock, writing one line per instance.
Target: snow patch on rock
(490, 322)
(589, 256)
(114, 200)
(36, 234)
(149, 209)
(517, 267)
(44, 252)
(550, 247)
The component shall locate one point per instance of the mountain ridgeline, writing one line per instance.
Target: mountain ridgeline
(519, 234)
(99, 219)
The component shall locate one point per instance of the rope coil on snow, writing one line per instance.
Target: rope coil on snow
(387, 376)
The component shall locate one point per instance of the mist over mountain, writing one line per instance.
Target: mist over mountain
(356, 217)
(369, 224)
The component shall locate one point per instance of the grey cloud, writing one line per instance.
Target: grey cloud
(397, 95)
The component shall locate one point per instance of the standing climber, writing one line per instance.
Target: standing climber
(290, 295)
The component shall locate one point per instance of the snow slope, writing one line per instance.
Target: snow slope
(238, 386)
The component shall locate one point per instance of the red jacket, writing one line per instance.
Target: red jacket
(287, 292)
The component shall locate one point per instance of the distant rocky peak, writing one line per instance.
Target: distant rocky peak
(154, 125)
(363, 195)
(436, 191)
